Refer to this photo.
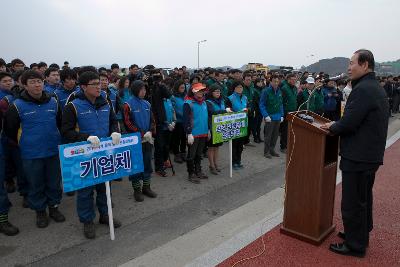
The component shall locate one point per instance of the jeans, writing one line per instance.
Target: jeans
(147, 150)
(85, 205)
(44, 179)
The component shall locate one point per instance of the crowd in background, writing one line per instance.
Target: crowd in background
(41, 107)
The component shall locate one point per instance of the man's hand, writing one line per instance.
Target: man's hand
(94, 141)
(116, 138)
(267, 119)
(327, 125)
(229, 110)
(190, 139)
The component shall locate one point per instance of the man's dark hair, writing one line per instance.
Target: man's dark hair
(114, 66)
(67, 74)
(87, 76)
(16, 61)
(290, 75)
(133, 66)
(41, 64)
(274, 76)
(50, 70)
(103, 75)
(18, 74)
(2, 62)
(247, 74)
(102, 69)
(87, 68)
(54, 65)
(66, 63)
(5, 74)
(30, 74)
(33, 65)
(365, 55)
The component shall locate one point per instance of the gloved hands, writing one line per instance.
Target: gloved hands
(147, 137)
(116, 138)
(171, 126)
(281, 119)
(229, 110)
(94, 141)
(245, 109)
(267, 119)
(190, 139)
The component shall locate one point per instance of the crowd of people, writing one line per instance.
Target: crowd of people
(44, 106)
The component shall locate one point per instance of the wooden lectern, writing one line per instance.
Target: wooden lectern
(311, 167)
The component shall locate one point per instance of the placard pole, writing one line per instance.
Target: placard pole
(230, 158)
(110, 214)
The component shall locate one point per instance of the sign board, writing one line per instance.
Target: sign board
(229, 126)
(83, 166)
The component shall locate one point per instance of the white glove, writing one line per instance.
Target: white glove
(190, 139)
(245, 109)
(229, 110)
(147, 136)
(171, 126)
(281, 119)
(267, 119)
(116, 138)
(209, 135)
(94, 140)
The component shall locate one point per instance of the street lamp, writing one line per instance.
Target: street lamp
(198, 52)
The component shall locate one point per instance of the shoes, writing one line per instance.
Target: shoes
(342, 235)
(42, 221)
(193, 178)
(235, 166)
(343, 249)
(283, 150)
(217, 169)
(104, 220)
(268, 156)
(10, 186)
(250, 144)
(213, 170)
(25, 203)
(138, 195)
(56, 215)
(89, 230)
(6, 227)
(167, 164)
(274, 154)
(148, 192)
(70, 194)
(162, 173)
(201, 175)
(240, 165)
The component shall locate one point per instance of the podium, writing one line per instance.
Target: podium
(311, 167)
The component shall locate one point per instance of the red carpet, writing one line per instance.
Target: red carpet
(384, 246)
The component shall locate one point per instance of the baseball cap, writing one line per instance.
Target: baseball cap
(310, 80)
(196, 87)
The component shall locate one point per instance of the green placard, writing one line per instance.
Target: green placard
(229, 126)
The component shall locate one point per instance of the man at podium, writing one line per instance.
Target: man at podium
(362, 131)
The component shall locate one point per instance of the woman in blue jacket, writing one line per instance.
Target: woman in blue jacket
(237, 102)
(179, 137)
(215, 105)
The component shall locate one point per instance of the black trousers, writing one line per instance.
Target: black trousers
(237, 149)
(356, 207)
(257, 124)
(283, 131)
(195, 151)
(178, 140)
(161, 147)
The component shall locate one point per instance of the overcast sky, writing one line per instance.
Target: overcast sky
(165, 32)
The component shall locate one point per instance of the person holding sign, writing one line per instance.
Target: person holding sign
(138, 118)
(215, 105)
(87, 118)
(271, 107)
(36, 115)
(195, 117)
(237, 102)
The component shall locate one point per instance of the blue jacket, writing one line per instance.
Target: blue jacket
(50, 88)
(140, 113)
(239, 102)
(330, 102)
(271, 103)
(126, 95)
(169, 111)
(177, 102)
(92, 120)
(195, 117)
(39, 136)
(62, 95)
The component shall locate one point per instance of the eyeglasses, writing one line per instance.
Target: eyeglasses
(93, 84)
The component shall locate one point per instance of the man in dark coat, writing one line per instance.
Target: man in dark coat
(363, 131)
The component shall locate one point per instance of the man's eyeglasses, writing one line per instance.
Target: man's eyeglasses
(93, 84)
